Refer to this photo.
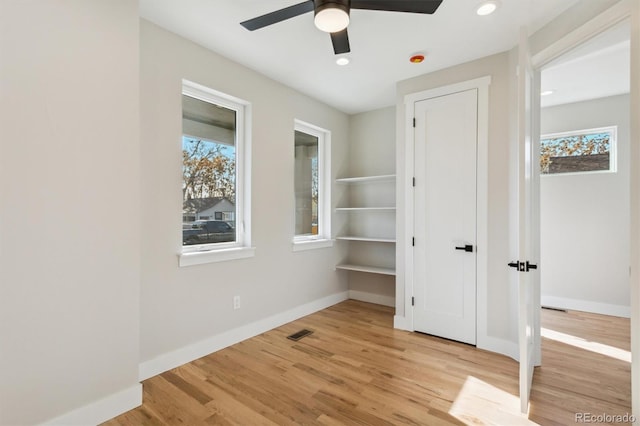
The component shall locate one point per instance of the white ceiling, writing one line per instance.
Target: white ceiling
(295, 53)
(598, 68)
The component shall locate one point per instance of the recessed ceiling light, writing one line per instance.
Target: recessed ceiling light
(487, 7)
(342, 61)
(547, 92)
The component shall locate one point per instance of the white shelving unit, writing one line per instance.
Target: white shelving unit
(364, 208)
(371, 224)
(380, 178)
(370, 269)
(369, 239)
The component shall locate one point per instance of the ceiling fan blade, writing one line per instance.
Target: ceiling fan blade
(340, 42)
(411, 6)
(278, 16)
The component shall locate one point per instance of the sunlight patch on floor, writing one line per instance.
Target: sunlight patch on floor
(581, 343)
(479, 403)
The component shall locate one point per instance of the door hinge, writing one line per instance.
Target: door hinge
(414, 122)
(413, 241)
(413, 301)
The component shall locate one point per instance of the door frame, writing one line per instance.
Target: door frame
(625, 9)
(482, 213)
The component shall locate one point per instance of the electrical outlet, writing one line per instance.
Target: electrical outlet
(236, 302)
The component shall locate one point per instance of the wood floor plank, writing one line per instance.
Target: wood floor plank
(356, 369)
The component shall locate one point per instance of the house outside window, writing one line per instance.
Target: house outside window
(214, 171)
(312, 187)
(581, 151)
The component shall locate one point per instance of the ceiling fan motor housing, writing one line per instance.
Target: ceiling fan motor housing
(320, 5)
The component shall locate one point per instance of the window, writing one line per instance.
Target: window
(580, 151)
(215, 164)
(312, 187)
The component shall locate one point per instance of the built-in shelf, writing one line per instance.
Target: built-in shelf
(364, 268)
(378, 178)
(367, 239)
(369, 222)
(346, 209)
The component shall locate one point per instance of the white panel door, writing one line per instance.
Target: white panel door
(446, 130)
(528, 279)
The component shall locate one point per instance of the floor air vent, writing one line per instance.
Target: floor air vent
(554, 309)
(300, 334)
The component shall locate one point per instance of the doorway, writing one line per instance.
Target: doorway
(584, 200)
(585, 176)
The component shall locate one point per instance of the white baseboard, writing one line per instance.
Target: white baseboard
(402, 323)
(378, 299)
(102, 410)
(500, 346)
(215, 343)
(586, 306)
(491, 344)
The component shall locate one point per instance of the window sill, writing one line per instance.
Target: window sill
(211, 256)
(311, 244)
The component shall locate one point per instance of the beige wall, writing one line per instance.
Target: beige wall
(501, 308)
(568, 21)
(189, 305)
(70, 197)
(585, 218)
(372, 153)
(72, 104)
(499, 294)
(635, 207)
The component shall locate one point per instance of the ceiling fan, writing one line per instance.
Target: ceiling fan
(332, 16)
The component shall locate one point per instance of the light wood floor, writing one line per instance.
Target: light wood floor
(356, 369)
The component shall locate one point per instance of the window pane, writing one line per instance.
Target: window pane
(582, 151)
(208, 172)
(306, 183)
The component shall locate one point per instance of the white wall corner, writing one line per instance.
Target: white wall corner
(378, 299)
(215, 343)
(102, 410)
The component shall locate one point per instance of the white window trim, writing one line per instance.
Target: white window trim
(302, 245)
(323, 238)
(241, 248)
(613, 149)
(216, 255)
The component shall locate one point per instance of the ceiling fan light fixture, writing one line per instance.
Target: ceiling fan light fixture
(331, 17)
(487, 7)
(342, 61)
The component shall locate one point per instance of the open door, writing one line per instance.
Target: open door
(528, 279)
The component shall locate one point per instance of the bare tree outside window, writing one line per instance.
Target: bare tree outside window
(208, 172)
(579, 151)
